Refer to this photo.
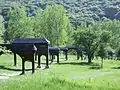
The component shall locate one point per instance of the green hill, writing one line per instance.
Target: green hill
(87, 10)
(90, 10)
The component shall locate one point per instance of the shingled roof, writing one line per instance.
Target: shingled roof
(54, 48)
(31, 41)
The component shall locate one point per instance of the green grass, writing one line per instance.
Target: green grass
(68, 75)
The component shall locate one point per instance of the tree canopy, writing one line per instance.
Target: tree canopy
(90, 38)
(52, 23)
(2, 30)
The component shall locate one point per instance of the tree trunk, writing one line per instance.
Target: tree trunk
(89, 58)
(102, 63)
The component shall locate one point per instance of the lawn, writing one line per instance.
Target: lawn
(68, 75)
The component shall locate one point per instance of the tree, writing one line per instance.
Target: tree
(101, 52)
(114, 27)
(19, 25)
(53, 24)
(1, 28)
(90, 38)
(118, 54)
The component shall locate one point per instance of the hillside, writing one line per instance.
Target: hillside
(90, 10)
(87, 10)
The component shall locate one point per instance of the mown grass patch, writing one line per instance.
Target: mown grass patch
(68, 75)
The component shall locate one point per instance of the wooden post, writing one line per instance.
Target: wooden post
(78, 55)
(23, 66)
(39, 61)
(58, 58)
(35, 56)
(52, 58)
(66, 56)
(47, 62)
(33, 66)
(15, 59)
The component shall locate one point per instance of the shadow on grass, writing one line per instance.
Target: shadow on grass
(92, 65)
(115, 67)
(11, 69)
(95, 67)
(80, 63)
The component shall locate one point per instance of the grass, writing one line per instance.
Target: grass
(68, 75)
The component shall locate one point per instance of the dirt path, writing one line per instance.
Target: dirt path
(7, 76)
(16, 73)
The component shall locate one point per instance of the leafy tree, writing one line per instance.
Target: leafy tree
(90, 38)
(118, 54)
(114, 27)
(95, 9)
(1, 28)
(53, 24)
(19, 24)
(101, 52)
